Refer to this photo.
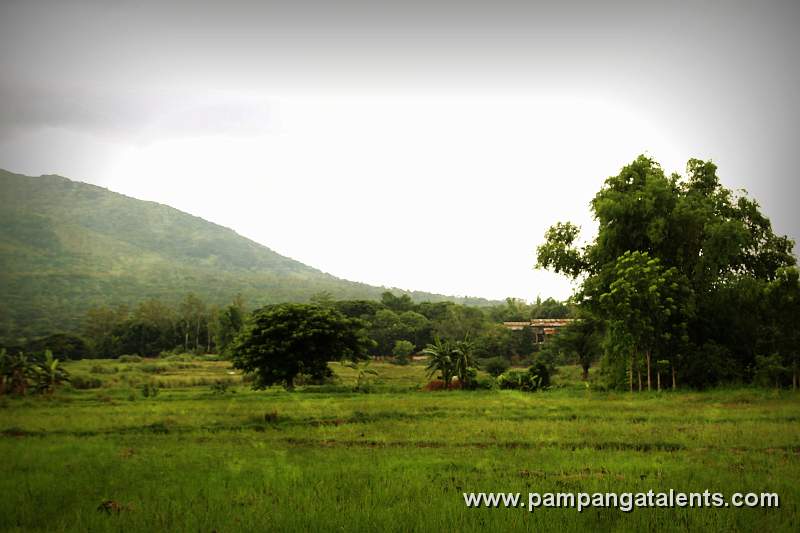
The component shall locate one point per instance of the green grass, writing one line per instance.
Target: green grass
(397, 459)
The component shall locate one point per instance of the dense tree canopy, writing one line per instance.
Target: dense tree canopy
(283, 341)
(714, 250)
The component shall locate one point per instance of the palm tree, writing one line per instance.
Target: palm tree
(442, 360)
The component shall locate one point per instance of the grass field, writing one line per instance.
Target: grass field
(397, 459)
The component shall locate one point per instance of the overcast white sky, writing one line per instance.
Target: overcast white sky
(420, 145)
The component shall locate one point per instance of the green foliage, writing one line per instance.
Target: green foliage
(770, 370)
(63, 345)
(85, 382)
(402, 351)
(537, 377)
(49, 374)
(441, 360)
(149, 390)
(363, 373)
(220, 387)
(19, 373)
(283, 341)
(15, 373)
(679, 265)
(782, 302)
(495, 365)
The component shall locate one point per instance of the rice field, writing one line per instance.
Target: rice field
(200, 456)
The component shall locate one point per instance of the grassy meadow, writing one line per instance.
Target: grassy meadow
(200, 456)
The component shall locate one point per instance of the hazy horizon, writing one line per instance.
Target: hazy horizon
(423, 146)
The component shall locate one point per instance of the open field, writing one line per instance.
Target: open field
(398, 459)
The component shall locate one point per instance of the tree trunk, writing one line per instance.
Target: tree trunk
(647, 354)
(639, 373)
(630, 375)
(674, 381)
(586, 373)
(197, 337)
(658, 380)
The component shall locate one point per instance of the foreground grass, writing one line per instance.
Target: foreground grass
(389, 461)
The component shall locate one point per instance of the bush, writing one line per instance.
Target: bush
(496, 365)
(150, 390)
(130, 359)
(100, 369)
(537, 377)
(85, 382)
(220, 387)
(182, 357)
(153, 368)
(484, 384)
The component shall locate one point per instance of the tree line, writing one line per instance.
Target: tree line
(396, 325)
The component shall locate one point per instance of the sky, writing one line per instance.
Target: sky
(419, 145)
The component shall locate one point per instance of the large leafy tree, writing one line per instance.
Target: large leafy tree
(783, 304)
(280, 342)
(718, 242)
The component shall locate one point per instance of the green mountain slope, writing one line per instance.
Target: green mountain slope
(67, 246)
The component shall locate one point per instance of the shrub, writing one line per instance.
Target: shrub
(150, 390)
(130, 359)
(496, 365)
(100, 369)
(183, 357)
(537, 377)
(484, 384)
(86, 382)
(153, 368)
(220, 387)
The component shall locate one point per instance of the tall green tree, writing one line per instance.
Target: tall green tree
(782, 300)
(645, 306)
(229, 322)
(714, 238)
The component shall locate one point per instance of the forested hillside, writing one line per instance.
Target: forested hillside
(67, 246)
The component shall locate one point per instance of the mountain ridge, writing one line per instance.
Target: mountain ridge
(67, 246)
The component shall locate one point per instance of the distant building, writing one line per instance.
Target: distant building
(542, 327)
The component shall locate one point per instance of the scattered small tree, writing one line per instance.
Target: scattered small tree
(363, 371)
(402, 351)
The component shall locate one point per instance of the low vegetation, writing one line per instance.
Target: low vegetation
(201, 456)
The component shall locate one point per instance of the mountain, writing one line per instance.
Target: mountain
(67, 246)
